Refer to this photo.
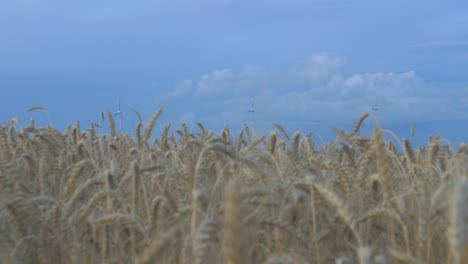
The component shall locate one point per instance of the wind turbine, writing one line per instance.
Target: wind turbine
(375, 108)
(120, 115)
(252, 114)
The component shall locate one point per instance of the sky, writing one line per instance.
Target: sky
(307, 65)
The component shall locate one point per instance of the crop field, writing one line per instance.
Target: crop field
(80, 196)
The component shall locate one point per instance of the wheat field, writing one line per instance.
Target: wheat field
(199, 197)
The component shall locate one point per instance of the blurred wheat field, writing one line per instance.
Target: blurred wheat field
(198, 197)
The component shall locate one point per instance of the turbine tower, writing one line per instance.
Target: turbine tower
(252, 114)
(120, 115)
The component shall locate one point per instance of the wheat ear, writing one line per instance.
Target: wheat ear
(408, 151)
(282, 131)
(358, 124)
(111, 124)
(150, 125)
(272, 142)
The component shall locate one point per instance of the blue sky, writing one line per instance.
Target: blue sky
(308, 64)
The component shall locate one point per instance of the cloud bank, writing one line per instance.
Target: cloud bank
(316, 90)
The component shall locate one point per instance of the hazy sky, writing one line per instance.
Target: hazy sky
(308, 64)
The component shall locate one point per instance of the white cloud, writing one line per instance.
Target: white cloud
(226, 82)
(251, 80)
(319, 90)
(253, 70)
(180, 89)
(354, 81)
(320, 69)
(385, 84)
(215, 83)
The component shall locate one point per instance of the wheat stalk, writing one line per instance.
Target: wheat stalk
(458, 232)
(232, 242)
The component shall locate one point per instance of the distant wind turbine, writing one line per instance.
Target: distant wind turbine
(252, 114)
(375, 108)
(120, 115)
